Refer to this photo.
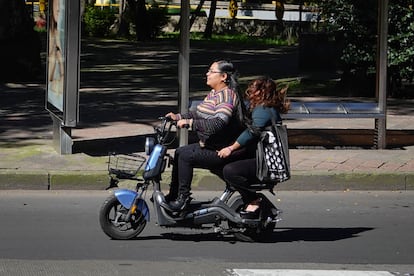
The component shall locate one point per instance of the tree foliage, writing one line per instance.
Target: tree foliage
(355, 22)
(97, 21)
(401, 39)
(19, 43)
(148, 21)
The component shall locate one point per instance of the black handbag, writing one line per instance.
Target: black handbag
(272, 154)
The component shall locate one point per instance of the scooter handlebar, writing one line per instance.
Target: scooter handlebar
(165, 118)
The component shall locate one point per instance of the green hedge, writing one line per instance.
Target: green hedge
(97, 21)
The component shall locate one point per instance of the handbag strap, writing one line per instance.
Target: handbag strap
(274, 122)
(258, 130)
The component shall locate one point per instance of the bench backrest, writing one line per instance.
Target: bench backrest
(303, 110)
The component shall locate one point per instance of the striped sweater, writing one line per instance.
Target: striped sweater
(213, 116)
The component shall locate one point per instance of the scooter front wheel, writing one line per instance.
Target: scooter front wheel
(112, 218)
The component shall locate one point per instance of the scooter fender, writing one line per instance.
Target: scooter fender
(127, 197)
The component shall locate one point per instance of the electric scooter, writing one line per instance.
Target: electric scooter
(124, 213)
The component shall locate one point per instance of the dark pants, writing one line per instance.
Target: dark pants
(239, 175)
(186, 158)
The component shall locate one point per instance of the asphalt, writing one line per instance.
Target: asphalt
(126, 86)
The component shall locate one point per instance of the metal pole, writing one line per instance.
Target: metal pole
(62, 137)
(183, 66)
(71, 110)
(381, 86)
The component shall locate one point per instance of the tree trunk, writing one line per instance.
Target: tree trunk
(208, 32)
(19, 43)
(141, 21)
(193, 16)
(4, 19)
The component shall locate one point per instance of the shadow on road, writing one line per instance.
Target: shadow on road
(278, 236)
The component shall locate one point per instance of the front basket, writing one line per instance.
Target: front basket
(125, 166)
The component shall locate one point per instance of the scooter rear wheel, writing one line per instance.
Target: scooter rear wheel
(112, 219)
(246, 233)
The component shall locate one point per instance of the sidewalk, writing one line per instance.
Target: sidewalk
(119, 106)
(36, 165)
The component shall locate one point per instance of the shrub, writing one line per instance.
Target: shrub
(158, 19)
(97, 21)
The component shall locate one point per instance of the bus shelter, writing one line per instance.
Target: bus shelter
(62, 100)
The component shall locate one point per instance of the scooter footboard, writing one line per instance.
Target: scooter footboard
(127, 197)
(212, 211)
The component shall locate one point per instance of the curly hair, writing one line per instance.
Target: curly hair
(269, 95)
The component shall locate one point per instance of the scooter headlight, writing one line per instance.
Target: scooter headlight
(149, 145)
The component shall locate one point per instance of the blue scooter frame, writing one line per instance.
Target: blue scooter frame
(125, 213)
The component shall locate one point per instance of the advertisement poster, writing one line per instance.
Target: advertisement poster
(56, 54)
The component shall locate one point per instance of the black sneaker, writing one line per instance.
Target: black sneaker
(170, 197)
(180, 203)
(250, 215)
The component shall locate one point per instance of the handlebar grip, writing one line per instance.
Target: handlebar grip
(166, 118)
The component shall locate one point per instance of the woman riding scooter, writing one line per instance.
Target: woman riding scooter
(217, 121)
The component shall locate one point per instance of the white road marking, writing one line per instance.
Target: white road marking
(300, 272)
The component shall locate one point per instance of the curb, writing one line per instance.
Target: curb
(43, 180)
(205, 181)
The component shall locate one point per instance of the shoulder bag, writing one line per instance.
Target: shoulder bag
(272, 154)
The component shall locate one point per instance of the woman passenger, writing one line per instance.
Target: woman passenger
(265, 102)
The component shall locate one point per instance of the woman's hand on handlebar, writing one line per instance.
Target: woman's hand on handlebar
(184, 123)
(181, 123)
(173, 116)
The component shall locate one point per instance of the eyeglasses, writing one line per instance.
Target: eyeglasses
(209, 71)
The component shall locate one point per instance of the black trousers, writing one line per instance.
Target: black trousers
(191, 156)
(239, 175)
